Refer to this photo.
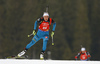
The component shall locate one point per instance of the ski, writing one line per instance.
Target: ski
(17, 57)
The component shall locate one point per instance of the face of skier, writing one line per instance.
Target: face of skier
(46, 18)
(83, 51)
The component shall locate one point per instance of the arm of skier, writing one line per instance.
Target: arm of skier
(34, 31)
(77, 56)
(88, 54)
(53, 29)
(35, 25)
(54, 26)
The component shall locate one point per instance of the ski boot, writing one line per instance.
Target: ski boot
(42, 55)
(22, 53)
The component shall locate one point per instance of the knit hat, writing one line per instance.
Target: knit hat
(83, 49)
(45, 14)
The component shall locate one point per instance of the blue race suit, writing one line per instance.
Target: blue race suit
(41, 34)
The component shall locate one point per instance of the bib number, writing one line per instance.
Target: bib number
(44, 27)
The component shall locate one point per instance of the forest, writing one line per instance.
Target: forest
(77, 23)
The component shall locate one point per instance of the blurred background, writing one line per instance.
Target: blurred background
(77, 24)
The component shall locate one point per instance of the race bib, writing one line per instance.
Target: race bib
(44, 26)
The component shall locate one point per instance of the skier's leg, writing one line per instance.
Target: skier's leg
(44, 45)
(45, 40)
(34, 40)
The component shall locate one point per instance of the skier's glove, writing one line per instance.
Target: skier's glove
(34, 32)
(75, 57)
(52, 33)
(89, 56)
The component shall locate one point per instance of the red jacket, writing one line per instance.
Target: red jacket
(83, 56)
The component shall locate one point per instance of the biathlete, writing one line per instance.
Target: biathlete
(84, 55)
(42, 33)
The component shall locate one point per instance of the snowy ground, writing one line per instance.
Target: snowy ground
(35, 61)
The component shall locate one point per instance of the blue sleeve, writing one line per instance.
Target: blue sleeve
(35, 25)
(54, 26)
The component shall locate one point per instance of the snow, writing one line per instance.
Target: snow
(36, 61)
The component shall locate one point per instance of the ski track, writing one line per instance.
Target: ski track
(37, 61)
